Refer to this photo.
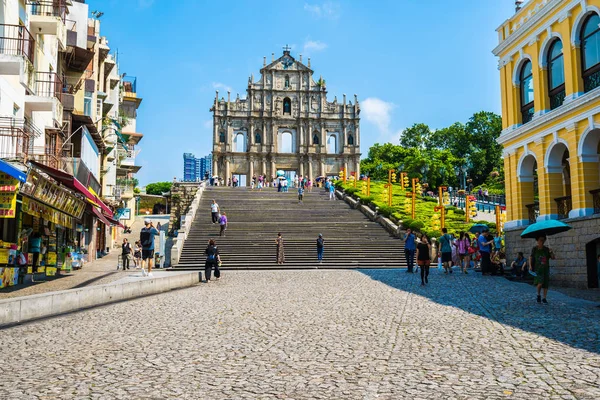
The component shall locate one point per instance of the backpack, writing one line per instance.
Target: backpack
(145, 237)
(211, 253)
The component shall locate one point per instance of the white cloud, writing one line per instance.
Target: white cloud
(208, 123)
(145, 3)
(313, 46)
(219, 85)
(378, 112)
(328, 9)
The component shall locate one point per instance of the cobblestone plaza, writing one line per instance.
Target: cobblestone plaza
(371, 334)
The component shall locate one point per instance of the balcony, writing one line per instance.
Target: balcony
(46, 155)
(124, 192)
(16, 137)
(46, 94)
(16, 45)
(564, 206)
(48, 18)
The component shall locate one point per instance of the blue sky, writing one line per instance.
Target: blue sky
(407, 60)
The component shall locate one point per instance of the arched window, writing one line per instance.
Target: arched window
(350, 140)
(556, 74)
(222, 137)
(526, 81)
(287, 81)
(316, 138)
(240, 142)
(590, 52)
(286, 143)
(287, 106)
(257, 138)
(332, 144)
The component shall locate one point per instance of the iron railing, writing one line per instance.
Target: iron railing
(533, 211)
(564, 205)
(49, 8)
(48, 84)
(591, 81)
(16, 137)
(15, 40)
(46, 155)
(596, 200)
(557, 100)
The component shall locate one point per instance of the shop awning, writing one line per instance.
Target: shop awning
(13, 171)
(72, 183)
(115, 222)
(100, 216)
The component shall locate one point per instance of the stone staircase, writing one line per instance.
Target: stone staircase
(255, 218)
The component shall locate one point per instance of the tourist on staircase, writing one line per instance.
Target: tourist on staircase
(213, 260)
(320, 248)
(331, 191)
(223, 224)
(280, 252)
(300, 195)
(214, 210)
(424, 259)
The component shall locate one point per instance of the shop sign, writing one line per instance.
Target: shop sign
(8, 195)
(40, 210)
(51, 259)
(55, 196)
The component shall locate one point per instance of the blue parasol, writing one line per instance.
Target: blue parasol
(544, 228)
(479, 228)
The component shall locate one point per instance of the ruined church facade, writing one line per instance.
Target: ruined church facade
(285, 123)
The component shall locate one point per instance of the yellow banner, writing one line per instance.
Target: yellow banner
(40, 210)
(8, 195)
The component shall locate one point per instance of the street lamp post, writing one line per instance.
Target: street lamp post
(464, 169)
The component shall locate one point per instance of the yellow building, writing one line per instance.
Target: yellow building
(549, 63)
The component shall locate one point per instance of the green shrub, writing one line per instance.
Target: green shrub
(417, 225)
(386, 211)
(458, 211)
(350, 191)
(406, 222)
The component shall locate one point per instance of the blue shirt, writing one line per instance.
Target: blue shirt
(153, 232)
(482, 246)
(35, 244)
(445, 245)
(410, 242)
(331, 188)
(498, 242)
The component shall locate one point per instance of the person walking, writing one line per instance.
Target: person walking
(485, 251)
(300, 195)
(125, 253)
(331, 191)
(310, 185)
(410, 247)
(147, 240)
(445, 243)
(539, 261)
(35, 246)
(424, 259)
(214, 211)
(464, 242)
(137, 254)
(223, 224)
(213, 260)
(320, 248)
(280, 252)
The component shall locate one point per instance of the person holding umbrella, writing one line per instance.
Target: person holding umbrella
(539, 261)
(540, 258)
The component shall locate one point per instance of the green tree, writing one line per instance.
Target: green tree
(484, 152)
(416, 136)
(158, 188)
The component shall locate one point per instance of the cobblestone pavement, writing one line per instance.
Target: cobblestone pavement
(315, 335)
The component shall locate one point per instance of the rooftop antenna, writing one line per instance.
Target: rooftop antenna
(518, 5)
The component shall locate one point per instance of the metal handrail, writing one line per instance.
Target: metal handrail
(49, 8)
(16, 40)
(48, 84)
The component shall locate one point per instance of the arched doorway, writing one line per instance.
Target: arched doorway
(589, 156)
(558, 178)
(528, 193)
(592, 252)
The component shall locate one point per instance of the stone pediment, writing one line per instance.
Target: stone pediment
(286, 63)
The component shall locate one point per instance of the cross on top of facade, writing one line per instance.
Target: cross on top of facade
(286, 49)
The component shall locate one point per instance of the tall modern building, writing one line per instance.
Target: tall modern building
(550, 83)
(196, 169)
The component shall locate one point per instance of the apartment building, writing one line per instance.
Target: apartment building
(60, 123)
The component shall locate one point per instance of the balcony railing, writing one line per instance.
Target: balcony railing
(48, 84)
(533, 211)
(596, 200)
(45, 155)
(16, 137)
(15, 40)
(49, 8)
(564, 205)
